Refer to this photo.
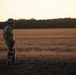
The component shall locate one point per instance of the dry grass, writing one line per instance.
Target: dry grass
(41, 52)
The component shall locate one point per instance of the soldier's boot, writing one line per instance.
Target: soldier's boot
(8, 62)
(13, 60)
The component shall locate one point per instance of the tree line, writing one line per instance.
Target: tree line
(39, 24)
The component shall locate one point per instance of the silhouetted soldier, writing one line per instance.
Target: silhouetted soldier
(10, 41)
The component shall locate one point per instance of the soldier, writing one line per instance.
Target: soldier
(10, 41)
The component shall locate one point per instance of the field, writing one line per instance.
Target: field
(41, 52)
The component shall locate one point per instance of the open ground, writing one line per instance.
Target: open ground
(41, 52)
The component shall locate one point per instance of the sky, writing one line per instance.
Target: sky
(38, 9)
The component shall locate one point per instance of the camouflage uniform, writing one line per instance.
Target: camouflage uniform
(10, 41)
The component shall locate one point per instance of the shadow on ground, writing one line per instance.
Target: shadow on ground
(38, 67)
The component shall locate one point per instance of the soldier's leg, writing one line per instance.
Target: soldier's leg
(13, 55)
(10, 55)
(9, 58)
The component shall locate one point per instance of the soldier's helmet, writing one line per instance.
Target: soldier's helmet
(10, 20)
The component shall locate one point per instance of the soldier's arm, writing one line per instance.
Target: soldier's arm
(11, 37)
(10, 34)
(5, 36)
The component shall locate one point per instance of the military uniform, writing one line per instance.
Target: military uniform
(10, 41)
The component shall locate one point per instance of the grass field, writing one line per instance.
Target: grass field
(41, 52)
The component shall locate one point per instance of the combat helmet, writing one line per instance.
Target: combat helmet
(10, 20)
